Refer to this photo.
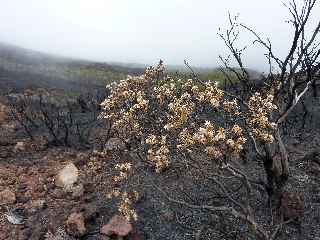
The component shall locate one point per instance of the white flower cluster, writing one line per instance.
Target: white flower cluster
(258, 117)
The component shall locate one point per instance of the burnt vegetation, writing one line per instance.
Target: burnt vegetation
(61, 123)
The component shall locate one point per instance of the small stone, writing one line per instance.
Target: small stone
(67, 176)
(75, 225)
(19, 147)
(7, 197)
(118, 225)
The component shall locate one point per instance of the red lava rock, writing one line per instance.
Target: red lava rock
(292, 205)
(118, 225)
(75, 225)
(7, 197)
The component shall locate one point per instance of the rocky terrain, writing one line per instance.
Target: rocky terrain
(47, 192)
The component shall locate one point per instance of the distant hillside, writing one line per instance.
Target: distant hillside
(22, 68)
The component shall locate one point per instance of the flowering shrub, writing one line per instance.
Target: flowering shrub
(158, 116)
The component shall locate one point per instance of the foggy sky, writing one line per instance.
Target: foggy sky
(140, 31)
